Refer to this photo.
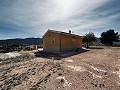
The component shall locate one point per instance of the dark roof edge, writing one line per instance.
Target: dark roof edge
(61, 32)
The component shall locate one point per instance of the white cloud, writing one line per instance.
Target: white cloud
(36, 16)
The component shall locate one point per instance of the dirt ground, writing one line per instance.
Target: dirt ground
(95, 69)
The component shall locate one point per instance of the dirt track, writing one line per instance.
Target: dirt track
(96, 69)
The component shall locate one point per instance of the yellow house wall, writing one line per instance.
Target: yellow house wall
(47, 39)
(66, 40)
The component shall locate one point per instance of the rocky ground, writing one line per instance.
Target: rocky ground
(95, 69)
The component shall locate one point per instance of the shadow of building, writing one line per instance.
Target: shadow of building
(57, 56)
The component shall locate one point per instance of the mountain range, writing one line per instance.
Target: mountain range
(19, 41)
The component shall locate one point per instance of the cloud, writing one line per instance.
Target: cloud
(36, 16)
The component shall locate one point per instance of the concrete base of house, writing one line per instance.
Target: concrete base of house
(70, 48)
(56, 49)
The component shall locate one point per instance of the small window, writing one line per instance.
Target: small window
(53, 41)
(73, 41)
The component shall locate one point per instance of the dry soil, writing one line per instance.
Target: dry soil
(96, 69)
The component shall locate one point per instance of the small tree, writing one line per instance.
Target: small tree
(109, 37)
(14, 47)
(89, 38)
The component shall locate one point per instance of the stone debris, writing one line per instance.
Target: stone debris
(92, 70)
(77, 68)
(82, 69)
(70, 60)
(118, 73)
(66, 83)
(95, 76)
(98, 69)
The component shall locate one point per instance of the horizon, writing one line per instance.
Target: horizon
(20, 38)
(32, 18)
(29, 37)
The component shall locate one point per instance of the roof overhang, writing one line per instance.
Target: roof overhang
(61, 33)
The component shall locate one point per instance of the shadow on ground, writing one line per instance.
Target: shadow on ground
(56, 56)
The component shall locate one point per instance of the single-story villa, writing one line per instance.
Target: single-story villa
(57, 41)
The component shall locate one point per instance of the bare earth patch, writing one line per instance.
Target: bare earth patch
(9, 55)
(96, 69)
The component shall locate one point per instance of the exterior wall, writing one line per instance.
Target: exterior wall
(67, 44)
(47, 42)
(70, 48)
(52, 49)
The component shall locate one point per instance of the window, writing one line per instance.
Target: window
(73, 41)
(53, 41)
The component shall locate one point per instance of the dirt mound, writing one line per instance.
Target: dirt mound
(9, 55)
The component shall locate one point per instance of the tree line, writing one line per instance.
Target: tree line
(107, 38)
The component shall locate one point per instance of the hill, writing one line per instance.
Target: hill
(19, 41)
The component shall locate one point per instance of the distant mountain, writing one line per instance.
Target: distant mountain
(28, 41)
(98, 40)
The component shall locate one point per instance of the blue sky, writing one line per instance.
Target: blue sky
(32, 18)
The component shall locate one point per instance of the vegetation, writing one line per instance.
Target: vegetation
(109, 37)
(89, 39)
(16, 47)
(9, 48)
